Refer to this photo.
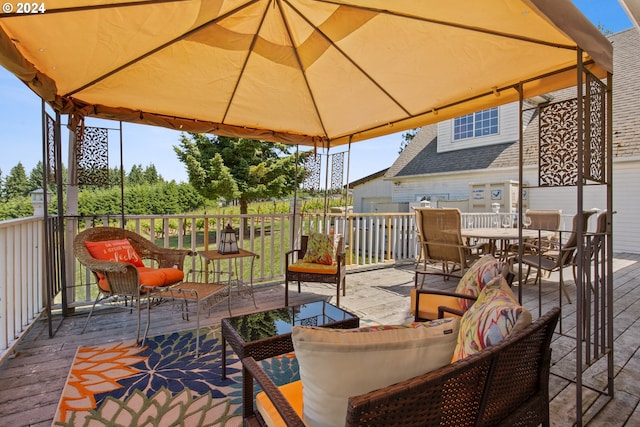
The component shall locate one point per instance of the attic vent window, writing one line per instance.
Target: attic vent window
(475, 125)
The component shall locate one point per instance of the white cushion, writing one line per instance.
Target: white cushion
(338, 363)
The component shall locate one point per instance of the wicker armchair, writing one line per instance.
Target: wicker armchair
(323, 274)
(504, 385)
(122, 278)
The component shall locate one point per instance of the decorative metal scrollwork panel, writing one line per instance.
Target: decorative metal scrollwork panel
(50, 140)
(558, 144)
(595, 106)
(312, 165)
(92, 156)
(337, 170)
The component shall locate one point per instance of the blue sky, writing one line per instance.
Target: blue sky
(20, 123)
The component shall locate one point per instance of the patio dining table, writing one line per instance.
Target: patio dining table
(500, 238)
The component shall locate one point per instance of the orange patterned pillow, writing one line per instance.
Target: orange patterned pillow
(114, 250)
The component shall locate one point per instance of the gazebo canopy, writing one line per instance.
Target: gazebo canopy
(313, 72)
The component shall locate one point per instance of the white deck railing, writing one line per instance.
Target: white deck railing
(371, 240)
(22, 294)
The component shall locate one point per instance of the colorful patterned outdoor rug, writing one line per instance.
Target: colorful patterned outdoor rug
(121, 384)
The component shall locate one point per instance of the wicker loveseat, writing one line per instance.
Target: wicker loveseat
(505, 384)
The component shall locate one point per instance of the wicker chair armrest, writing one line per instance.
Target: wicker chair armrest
(168, 258)
(288, 414)
(104, 267)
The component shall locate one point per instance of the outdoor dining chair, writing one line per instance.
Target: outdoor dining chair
(556, 260)
(441, 242)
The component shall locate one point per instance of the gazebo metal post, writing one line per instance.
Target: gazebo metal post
(580, 234)
(122, 181)
(609, 234)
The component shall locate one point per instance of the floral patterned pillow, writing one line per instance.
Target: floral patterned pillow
(477, 276)
(320, 249)
(491, 319)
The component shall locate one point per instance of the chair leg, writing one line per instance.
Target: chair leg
(526, 276)
(564, 288)
(138, 309)
(91, 312)
(286, 293)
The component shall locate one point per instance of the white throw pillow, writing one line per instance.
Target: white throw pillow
(338, 363)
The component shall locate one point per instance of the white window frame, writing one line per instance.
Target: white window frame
(477, 125)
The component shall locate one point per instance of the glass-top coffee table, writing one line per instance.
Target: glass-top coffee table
(268, 333)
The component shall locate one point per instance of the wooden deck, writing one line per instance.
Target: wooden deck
(32, 380)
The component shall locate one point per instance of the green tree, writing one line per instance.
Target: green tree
(151, 175)
(16, 184)
(136, 175)
(188, 198)
(237, 168)
(407, 137)
(114, 176)
(36, 177)
(16, 207)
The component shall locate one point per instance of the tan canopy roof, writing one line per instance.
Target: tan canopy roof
(320, 72)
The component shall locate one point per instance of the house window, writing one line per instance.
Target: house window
(482, 123)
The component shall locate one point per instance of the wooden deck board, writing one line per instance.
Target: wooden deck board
(32, 380)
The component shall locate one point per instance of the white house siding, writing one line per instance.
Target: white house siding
(626, 201)
(367, 195)
(452, 186)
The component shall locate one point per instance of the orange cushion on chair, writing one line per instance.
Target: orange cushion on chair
(151, 277)
(312, 267)
(114, 250)
(429, 304)
(291, 391)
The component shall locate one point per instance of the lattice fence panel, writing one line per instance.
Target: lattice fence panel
(50, 140)
(313, 166)
(337, 170)
(92, 156)
(558, 144)
(594, 161)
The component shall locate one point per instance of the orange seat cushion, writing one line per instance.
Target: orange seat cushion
(429, 304)
(312, 267)
(151, 277)
(292, 392)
